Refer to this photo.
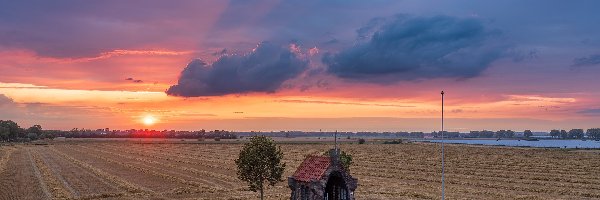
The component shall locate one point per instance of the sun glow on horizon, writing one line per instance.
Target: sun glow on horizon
(149, 120)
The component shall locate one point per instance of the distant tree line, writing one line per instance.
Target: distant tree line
(593, 133)
(11, 132)
(291, 134)
(133, 133)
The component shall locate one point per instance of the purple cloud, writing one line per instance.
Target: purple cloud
(262, 70)
(590, 60)
(412, 48)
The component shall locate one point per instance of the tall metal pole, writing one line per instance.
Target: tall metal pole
(443, 194)
(336, 144)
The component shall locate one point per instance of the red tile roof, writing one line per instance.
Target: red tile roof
(312, 168)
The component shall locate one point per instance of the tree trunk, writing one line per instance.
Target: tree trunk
(261, 194)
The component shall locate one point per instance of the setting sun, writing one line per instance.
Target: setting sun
(149, 120)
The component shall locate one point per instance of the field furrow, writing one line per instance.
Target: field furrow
(130, 170)
(104, 173)
(79, 181)
(5, 153)
(55, 183)
(182, 174)
(19, 179)
(180, 185)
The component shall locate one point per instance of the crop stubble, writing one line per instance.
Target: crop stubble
(207, 171)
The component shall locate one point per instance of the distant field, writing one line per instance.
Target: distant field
(126, 169)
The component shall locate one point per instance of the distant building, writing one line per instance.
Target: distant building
(322, 177)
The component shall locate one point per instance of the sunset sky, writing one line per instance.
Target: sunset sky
(301, 65)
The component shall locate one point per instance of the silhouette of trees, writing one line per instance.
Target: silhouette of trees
(555, 133)
(36, 129)
(527, 133)
(510, 134)
(481, 134)
(505, 134)
(593, 133)
(576, 134)
(564, 134)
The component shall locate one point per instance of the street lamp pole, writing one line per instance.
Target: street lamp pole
(443, 194)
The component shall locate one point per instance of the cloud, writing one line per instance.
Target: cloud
(308, 22)
(220, 53)
(457, 110)
(262, 70)
(342, 103)
(4, 100)
(134, 80)
(412, 48)
(67, 29)
(590, 60)
(591, 111)
(9, 108)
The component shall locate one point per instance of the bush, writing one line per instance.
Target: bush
(32, 136)
(217, 139)
(393, 142)
(361, 141)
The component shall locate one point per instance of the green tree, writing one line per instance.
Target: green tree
(4, 133)
(527, 133)
(49, 134)
(32, 136)
(259, 162)
(345, 159)
(37, 129)
(14, 131)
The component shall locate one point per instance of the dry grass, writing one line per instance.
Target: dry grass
(117, 170)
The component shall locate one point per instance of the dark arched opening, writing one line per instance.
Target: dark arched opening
(336, 187)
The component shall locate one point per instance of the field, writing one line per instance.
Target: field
(131, 170)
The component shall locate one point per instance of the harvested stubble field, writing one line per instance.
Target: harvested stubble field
(129, 170)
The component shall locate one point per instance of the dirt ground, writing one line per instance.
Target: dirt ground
(130, 170)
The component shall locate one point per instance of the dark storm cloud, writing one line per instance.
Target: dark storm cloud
(309, 22)
(590, 60)
(262, 70)
(411, 48)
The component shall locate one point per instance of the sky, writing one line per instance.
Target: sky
(246, 65)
